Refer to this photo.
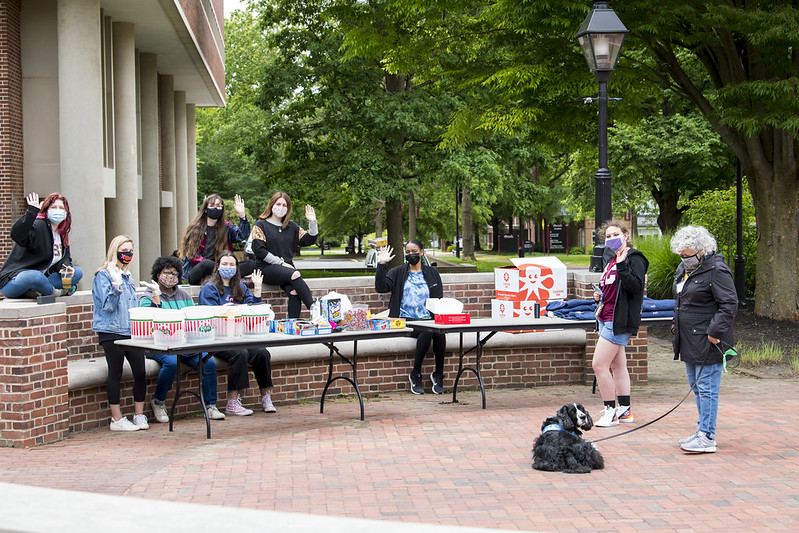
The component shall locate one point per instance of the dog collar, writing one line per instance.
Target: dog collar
(554, 427)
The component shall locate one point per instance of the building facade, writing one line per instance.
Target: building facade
(97, 102)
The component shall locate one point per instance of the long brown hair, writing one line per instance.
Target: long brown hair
(236, 292)
(65, 226)
(193, 236)
(268, 211)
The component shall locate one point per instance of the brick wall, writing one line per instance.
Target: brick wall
(33, 380)
(11, 181)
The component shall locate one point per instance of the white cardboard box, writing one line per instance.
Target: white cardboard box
(515, 309)
(531, 278)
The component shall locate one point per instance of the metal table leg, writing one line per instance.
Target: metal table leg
(331, 378)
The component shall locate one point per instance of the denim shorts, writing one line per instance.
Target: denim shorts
(606, 332)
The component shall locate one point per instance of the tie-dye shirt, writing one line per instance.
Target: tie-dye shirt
(414, 295)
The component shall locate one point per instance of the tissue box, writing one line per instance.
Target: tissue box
(456, 318)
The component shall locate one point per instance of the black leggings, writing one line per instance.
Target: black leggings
(237, 360)
(281, 276)
(114, 358)
(205, 268)
(423, 339)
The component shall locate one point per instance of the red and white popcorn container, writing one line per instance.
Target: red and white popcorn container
(141, 323)
(228, 321)
(168, 327)
(199, 323)
(257, 319)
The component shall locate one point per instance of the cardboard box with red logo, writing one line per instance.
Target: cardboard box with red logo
(531, 279)
(508, 309)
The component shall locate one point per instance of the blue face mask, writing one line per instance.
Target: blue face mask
(56, 216)
(614, 243)
(227, 272)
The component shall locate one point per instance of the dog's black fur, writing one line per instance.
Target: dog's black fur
(564, 450)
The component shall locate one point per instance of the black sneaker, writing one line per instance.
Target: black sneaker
(416, 384)
(437, 387)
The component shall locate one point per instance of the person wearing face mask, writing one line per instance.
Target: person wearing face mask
(113, 294)
(164, 292)
(39, 262)
(618, 318)
(226, 288)
(705, 306)
(410, 285)
(275, 238)
(208, 235)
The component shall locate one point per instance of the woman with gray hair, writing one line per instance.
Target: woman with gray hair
(706, 303)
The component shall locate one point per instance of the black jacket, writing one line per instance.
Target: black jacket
(706, 306)
(33, 247)
(393, 281)
(630, 296)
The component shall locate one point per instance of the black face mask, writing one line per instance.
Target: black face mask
(413, 259)
(214, 212)
(125, 257)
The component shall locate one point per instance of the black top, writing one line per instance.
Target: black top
(706, 306)
(33, 247)
(393, 281)
(279, 241)
(630, 296)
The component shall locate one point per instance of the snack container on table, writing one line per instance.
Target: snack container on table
(168, 327)
(141, 323)
(228, 321)
(199, 323)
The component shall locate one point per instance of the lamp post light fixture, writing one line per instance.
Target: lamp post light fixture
(601, 36)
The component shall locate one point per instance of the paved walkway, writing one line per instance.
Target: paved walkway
(423, 460)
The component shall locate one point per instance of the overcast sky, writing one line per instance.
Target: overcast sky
(232, 5)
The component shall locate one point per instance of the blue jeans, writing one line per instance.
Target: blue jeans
(706, 391)
(169, 370)
(33, 280)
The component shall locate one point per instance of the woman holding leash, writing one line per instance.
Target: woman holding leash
(618, 316)
(706, 304)
(410, 285)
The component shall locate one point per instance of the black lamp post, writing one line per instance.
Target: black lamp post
(601, 36)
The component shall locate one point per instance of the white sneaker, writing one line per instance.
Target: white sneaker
(234, 407)
(266, 403)
(607, 418)
(123, 424)
(214, 413)
(159, 411)
(140, 421)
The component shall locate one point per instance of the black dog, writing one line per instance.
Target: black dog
(561, 448)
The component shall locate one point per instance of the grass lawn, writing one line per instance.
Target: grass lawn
(486, 261)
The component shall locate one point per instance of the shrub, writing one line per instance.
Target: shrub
(576, 250)
(715, 210)
(662, 265)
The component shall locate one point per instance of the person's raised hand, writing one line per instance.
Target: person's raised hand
(386, 254)
(115, 273)
(33, 200)
(153, 286)
(310, 214)
(238, 205)
(257, 279)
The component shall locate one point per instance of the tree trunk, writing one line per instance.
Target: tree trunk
(466, 224)
(497, 237)
(411, 216)
(394, 223)
(669, 215)
(776, 198)
(379, 220)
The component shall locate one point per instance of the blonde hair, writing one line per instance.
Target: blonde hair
(111, 254)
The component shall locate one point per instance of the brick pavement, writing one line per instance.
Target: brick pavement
(421, 459)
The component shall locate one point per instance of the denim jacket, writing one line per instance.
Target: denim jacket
(111, 305)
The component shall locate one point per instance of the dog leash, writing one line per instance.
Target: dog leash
(731, 352)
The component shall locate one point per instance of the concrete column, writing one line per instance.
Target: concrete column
(150, 204)
(122, 216)
(80, 125)
(166, 104)
(181, 163)
(191, 145)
